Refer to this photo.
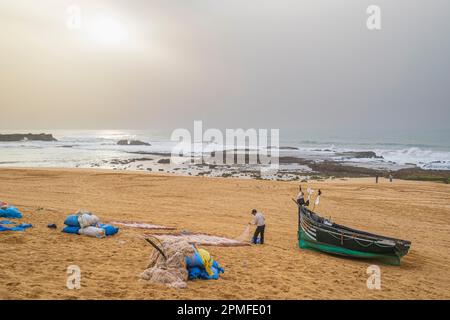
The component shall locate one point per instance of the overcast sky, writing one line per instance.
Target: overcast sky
(294, 65)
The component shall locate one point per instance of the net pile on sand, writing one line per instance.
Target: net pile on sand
(202, 239)
(171, 271)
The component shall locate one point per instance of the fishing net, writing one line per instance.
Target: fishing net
(245, 235)
(141, 225)
(170, 268)
(202, 239)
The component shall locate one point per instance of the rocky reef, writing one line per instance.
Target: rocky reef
(359, 155)
(26, 137)
(132, 143)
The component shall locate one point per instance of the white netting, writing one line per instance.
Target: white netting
(171, 271)
(245, 235)
(141, 225)
(203, 239)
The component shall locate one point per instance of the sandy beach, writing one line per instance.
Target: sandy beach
(33, 264)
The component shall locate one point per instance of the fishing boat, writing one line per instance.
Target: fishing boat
(320, 234)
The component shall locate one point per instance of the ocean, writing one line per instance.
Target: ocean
(91, 148)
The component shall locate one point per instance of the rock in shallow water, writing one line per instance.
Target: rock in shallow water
(359, 155)
(132, 143)
(26, 137)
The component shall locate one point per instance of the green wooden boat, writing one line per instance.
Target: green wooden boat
(320, 234)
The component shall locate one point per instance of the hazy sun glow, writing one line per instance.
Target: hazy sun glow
(107, 31)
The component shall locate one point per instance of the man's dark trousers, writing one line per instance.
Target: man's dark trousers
(259, 231)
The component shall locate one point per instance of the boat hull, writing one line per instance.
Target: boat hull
(314, 234)
(305, 243)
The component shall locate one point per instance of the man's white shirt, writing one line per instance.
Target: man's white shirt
(259, 219)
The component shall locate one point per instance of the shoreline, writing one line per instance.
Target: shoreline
(330, 171)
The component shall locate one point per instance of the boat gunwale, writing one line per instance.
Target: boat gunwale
(353, 237)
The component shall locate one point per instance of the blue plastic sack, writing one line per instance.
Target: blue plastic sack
(109, 229)
(70, 229)
(215, 274)
(194, 261)
(24, 225)
(2, 228)
(72, 221)
(7, 222)
(200, 273)
(217, 270)
(10, 212)
(217, 266)
(196, 268)
(195, 273)
(20, 227)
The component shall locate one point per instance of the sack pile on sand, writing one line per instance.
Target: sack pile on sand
(88, 224)
(171, 270)
(14, 226)
(8, 211)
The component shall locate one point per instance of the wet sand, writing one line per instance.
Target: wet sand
(33, 264)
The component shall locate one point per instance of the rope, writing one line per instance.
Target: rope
(156, 246)
(362, 245)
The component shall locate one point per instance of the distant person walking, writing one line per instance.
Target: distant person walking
(260, 223)
(376, 179)
(390, 177)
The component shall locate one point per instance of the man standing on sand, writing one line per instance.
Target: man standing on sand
(300, 197)
(260, 223)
